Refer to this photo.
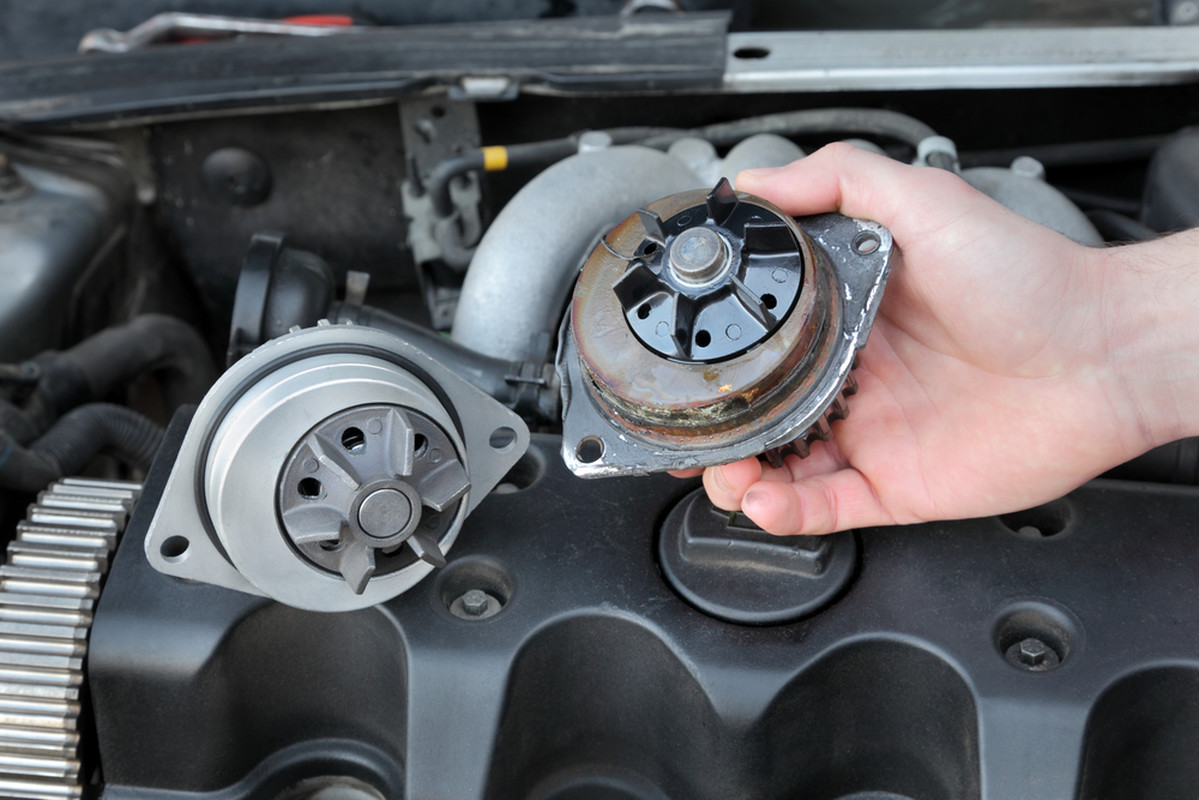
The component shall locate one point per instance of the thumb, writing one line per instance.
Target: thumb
(840, 177)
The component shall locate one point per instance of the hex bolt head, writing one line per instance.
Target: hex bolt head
(474, 602)
(1032, 654)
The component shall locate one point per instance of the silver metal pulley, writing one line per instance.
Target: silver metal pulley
(330, 469)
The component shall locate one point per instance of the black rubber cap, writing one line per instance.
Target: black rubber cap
(733, 570)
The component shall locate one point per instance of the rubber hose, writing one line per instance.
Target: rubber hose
(92, 369)
(74, 441)
(16, 423)
(859, 121)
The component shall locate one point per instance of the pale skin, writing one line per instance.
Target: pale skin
(1007, 366)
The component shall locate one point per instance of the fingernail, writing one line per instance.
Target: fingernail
(754, 498)
(762, 172)
(718, 481)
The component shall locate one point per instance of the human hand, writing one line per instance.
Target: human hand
(998, 375)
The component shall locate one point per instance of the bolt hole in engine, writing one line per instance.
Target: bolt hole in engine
(524, 474)
(332, 788)
(310, 488)
(1034, 636)
(502, 439)
(1041, 522)
(353, 440)
(703, 338)
(420, 445)
(174, 548)
(589, 449)
(769, 300)
(643, 311)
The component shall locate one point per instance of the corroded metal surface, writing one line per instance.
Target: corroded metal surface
(630, 409)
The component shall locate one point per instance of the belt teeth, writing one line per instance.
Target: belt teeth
(45, 616)
(39, 738)
(48, 588)
(46, 691)
(19, 787)
(41, 557)
(40, 765)
(63, 518)
(66, 538)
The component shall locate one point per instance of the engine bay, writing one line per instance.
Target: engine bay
(341, 360)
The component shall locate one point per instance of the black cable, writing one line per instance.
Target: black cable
(859, 121)
(75, 440)
(1087, 200)
(520, 155)
(876, 122)
(1069, 154)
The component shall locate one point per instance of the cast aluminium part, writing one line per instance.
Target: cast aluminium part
(49, 586)
(997, 58)
(523, 269)
(176, 25)
(632, 409)
(231, 516)
(1034, 199)
(370, 490)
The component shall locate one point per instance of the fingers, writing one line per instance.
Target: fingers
(823, 504)
(841, 177)
(685, 473)
(726, 485)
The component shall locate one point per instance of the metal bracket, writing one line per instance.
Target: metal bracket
(434, 129)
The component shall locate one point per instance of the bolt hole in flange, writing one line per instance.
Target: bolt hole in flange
(310, 488)
(866, 242)
(502, 440)
(420, 445)
(1041, 522)
(751, 53)
(475, 588)
(174, 548)
(1034, 636)
(590, 449)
